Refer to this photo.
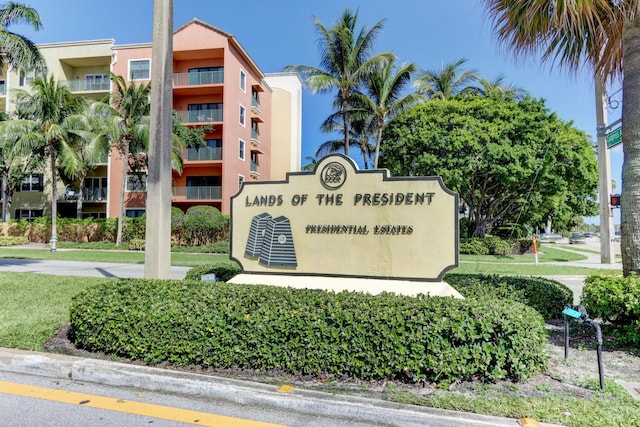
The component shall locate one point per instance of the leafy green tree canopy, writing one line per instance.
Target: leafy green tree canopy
(506, 159)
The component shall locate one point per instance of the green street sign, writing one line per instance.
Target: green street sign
(614, 137)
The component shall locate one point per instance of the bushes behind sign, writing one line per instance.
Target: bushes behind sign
(309, 332)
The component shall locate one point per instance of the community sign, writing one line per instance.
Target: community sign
(342, 221)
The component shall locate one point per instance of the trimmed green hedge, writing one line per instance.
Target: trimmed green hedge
(615, 300)
(223, 271)
(13, 240)
(310, 332)
(548, 297)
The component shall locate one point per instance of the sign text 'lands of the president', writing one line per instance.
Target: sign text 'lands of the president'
(340, 221)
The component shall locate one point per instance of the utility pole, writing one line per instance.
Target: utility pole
(157, 256)
(607, 255)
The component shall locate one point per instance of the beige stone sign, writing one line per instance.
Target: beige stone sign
(341, 221)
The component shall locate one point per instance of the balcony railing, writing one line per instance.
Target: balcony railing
(255, 105)
(204, 153)
(213, 192)
(254, 167)
(3, 89)
(94, 194)
(201, 116)
(198, 78)
(88, 85)
(255, 136)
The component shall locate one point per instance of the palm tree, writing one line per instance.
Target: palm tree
(90, 146)
(130, 131)
(18, 51)
(496, 88)
(603, 35)
(345, 60)
(385, 99)
(446, 82)
(359, 135)
(40, 128)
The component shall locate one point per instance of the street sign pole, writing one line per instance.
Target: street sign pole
(604, 177)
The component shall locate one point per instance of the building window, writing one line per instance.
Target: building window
(34, 182)
(134, 213)
(243, 115)
(136, 182)
(26, 78)
(240, 182)
(28, 214)
(139, 69)
(3, 88)
(204, 187)
(206, 75)
(95, 188)
(96, 82)
(210, 112)
(243, 81)
(241, 149)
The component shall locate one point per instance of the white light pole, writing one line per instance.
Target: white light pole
(157, 256)
(607, 255)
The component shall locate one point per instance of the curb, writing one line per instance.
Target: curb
(237, 391)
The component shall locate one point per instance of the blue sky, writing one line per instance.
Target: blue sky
(280, 32)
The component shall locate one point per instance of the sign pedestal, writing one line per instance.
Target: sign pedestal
(355, 284)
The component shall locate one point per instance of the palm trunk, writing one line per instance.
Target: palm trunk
(123, 188)
(630, 198)
(345, 118)
(54, 198)
(378, 142)
(80, 198)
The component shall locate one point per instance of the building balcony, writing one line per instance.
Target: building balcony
(71, 194)
(198, 78)
(255, 106)
(82, 85)
(203, 154)
(255, 138)
(254, 170)
(200, 116)
(213, 192)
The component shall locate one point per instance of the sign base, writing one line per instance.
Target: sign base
(337, 284)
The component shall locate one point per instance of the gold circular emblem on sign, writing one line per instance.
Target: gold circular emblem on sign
(333, 176)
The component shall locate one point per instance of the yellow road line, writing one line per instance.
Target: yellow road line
(128, 406)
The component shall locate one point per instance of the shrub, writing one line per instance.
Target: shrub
(473, 246)
(200, 225)
(13, 240)
(615, 300)
(497, 246)
(310, 332)
(547, 297)
(136, 245)
(223, 271)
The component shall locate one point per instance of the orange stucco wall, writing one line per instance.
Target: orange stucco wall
(200, 45)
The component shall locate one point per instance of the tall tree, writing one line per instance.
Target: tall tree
(384, 88)
(17, 50)
(40, 128)
(90, 145)
(497, 88)
(130, 131)
(497, 154)
(446, 82)
(345, 59)
(604, 35)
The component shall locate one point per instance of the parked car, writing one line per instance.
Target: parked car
(617, 236)
(588, 234)
(549, 237)
(576, 238)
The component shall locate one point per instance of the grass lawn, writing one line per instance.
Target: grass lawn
(34, 306)
(130, 257)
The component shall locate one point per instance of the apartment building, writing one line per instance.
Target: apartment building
(216, 85)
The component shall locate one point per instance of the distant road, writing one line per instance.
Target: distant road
(82, 268)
